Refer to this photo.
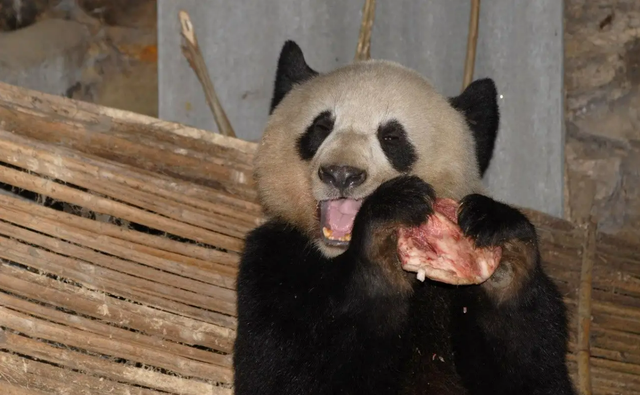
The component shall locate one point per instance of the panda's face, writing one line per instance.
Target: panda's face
(333, 138)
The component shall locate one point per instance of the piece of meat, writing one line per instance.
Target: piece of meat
(438, 250)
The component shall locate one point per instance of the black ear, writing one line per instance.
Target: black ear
(292, 69)
(479, 104)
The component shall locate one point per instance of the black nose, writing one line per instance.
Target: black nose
(342, 177)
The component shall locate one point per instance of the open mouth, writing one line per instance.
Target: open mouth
(336, 220)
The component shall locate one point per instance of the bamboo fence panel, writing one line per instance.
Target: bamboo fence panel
(121, 237)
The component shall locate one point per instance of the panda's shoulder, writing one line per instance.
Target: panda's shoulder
(272, 247)
(273, 236)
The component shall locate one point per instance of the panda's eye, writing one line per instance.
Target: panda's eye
(396, 145)
(391, 132)
(391, 135)
(323, 125)
(309, 142)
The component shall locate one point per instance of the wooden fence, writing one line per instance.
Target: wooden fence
(120, 236)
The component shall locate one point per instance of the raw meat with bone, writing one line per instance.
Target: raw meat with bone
(439, 250)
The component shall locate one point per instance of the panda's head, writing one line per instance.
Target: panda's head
(333, 138)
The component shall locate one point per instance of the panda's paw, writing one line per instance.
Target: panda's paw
(401, 201)
(491, 223)
(404, 201)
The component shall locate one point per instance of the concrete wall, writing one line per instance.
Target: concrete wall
(520, 46)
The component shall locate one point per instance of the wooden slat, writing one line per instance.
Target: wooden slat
(165, 271)
(157, 158)
(116, 312)
(114, 208)
(105, 368)
(110, 280)
(120, 181)
(159, 246)
(37, 377)
(12, 389)
(105, 344)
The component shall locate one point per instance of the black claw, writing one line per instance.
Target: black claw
(491, 223)
(404, 200)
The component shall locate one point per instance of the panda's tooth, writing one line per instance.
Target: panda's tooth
(327, 232)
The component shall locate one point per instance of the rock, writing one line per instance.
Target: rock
(45, 56)
(602, 82)
(601, 52)
(73, 52)
(619, 119)
(123, 75)
(141, 13)
(603, 178)
(133, 90)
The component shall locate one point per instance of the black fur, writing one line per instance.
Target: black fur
(517, 346)
(312, 325)
(292, 69)
(309, 142)
(492, 223)
(396, 146)
(410, 205)
(479, 104)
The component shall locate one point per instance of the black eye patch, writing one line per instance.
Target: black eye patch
(396, 146)
(315, 134)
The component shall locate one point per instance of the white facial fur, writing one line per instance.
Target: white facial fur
(361, 96)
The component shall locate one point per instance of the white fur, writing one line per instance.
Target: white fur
(361, 96)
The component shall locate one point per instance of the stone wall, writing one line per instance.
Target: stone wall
(602, 82)
(103, 51)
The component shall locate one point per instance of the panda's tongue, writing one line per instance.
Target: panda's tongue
(338, 215)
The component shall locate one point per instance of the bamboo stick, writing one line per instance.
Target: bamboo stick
(11, 389)
(363, 50)
(121, 185)
(130, 345)
(98, 253)
(472, 43)
(82, 271)
(95, 141)
(190, 255)
(191, 51)
(119, 210)
(198, 196)
(32, 376)
(101, 367)
(44, 103)
(120, 313)
(123, 285)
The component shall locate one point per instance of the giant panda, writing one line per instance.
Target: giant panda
(334, 312)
